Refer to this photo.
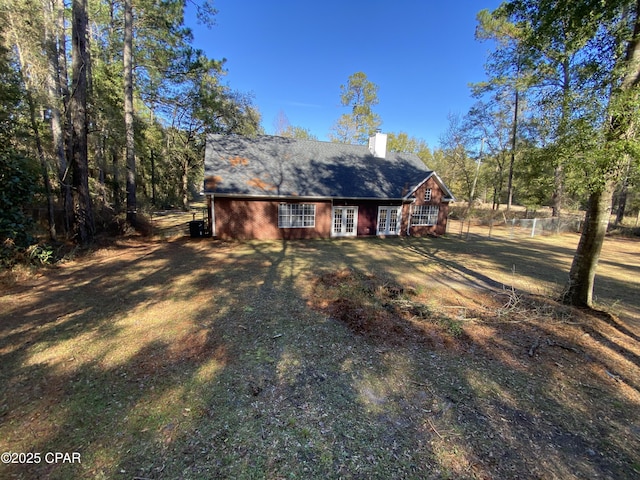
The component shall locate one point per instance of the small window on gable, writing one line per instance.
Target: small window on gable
(427, 195)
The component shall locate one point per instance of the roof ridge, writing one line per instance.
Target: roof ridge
(358, 146)
(269, 164)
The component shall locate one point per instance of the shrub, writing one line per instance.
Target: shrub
(18, 178)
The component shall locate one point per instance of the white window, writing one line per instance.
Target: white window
(389, 220)
(296, 215)
(345, 221)
(427, 195)
(424, 215)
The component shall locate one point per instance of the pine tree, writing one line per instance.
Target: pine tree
(359, 95)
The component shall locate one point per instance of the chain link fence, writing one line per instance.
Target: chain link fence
(514, 228)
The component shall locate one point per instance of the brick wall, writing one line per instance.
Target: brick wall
(245, 219)
(436, 199)
(249, 218)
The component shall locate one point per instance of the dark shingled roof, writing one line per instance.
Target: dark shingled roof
(278, 166)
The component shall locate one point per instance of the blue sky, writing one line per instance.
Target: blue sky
(293, 55)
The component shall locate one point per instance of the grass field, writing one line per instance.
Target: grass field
(377, 358)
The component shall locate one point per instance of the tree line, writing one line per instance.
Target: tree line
(558, 114)
(104, 108)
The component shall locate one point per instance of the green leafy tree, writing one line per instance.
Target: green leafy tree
(491, 125)
(160, 56)
(535, 179)
(201, 104)
(32, 68)
(402, 142)
(18, 176)
(508, 71)
(359, 95)
(298, 132)
(588, 68)
(129, 131)
(107, 155)
(455, 152)
(620, 143)
(57, 102)
(565, 72)
(18, 173)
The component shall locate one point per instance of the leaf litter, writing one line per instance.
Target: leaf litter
(278, 369)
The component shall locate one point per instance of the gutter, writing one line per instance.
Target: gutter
(300, 197)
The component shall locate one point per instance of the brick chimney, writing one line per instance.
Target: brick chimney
(378, 145)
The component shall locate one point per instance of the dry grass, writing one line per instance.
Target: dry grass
(418, 358)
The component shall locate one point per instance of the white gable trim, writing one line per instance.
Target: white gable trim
(448, 196)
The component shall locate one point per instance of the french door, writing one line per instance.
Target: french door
(389, 220)
(345, 222)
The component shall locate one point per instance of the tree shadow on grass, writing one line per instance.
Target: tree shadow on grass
(472, 277)
(531, 264)
(91, 331)
(239, 378)
(567, 447)
(547, 266)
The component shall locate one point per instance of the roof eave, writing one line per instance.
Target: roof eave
(301, 197)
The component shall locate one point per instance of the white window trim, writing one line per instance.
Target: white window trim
(389, 208)
(427, 195)
(426, 218)
(355, 222)
(296, 215)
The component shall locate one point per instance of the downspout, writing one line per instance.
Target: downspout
(210, 217)
(333, 204)
(409, 219)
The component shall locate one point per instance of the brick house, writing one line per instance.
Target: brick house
(269, 187)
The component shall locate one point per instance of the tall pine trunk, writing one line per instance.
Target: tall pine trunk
(128, 113)
(62, 82)
(84, 228)
(579, 289)
(54, 33)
